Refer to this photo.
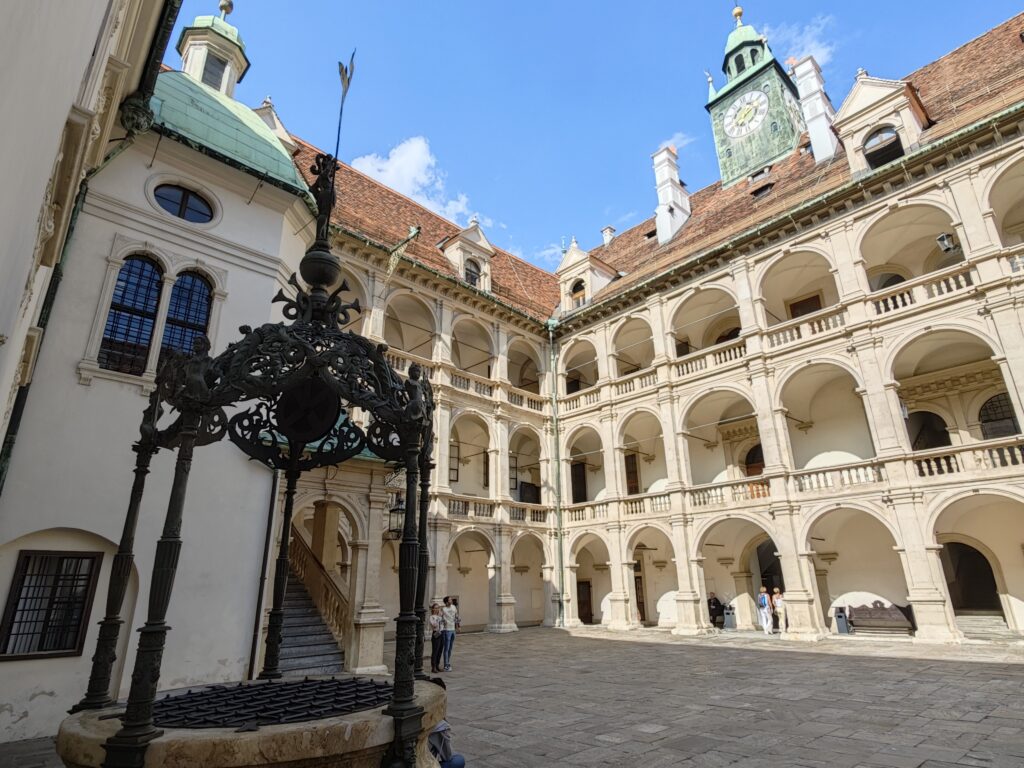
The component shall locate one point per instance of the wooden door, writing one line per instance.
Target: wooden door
(578, 474)
(632, 475)
(583, 602)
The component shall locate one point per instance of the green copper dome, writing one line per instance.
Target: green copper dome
(744, 33)
(218, 25)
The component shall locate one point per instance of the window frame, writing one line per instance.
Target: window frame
(882, 147)
(187, 195)
(143, 314)
(1007, 403)
(478, 269)
(14, 598)
(819, 295)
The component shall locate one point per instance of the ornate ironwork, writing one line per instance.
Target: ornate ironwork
(292, 386)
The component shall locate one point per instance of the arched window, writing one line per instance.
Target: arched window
(927, 430)
(882, 147)
(887, 280)
(183, 203)
(753, 462)
(739, 64)
(188, 314)
(755, 56)
(997, 418)
(578, 294)
(472, 273)
(133, 309)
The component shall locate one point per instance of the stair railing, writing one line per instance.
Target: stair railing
(326, 589)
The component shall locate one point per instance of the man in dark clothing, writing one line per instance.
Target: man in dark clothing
(715, 608)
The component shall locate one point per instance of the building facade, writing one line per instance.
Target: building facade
(808, 376)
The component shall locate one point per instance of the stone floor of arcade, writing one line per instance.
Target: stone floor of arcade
(590, 697)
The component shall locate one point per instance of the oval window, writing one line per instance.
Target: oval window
(183, 203)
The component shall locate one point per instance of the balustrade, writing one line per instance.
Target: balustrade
(923, 289)
(710, 358)
(807, 327)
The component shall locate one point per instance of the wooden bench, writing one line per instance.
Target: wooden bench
(879, 619)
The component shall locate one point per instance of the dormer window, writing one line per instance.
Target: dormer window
(213, 71)
(578, 294)
(882, 147)
(472, 273)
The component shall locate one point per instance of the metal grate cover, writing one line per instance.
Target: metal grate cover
(246, 706)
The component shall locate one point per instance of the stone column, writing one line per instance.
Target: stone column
(500, 457)
(503, 604)
(378, 307)
(442, 453)
(364, 651)
(691, 608)
(325, 533)
(550, 595)
(439, 556)
(880, 396)
(655, 309)
(746, 611)
(621, 578)
(572, 614)
(802, 613)
(442, 352)
(771, 426)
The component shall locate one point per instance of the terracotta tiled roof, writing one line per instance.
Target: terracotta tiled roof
(369, 208)
(980, 78)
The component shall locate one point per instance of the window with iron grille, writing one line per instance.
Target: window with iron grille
(49, 603)
(133, 309)
(997, 418)
(188, 314)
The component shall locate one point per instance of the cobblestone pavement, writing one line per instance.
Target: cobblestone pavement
(593, 698)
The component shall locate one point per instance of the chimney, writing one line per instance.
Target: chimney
(673, 199)
(817, 109)
(608, 233)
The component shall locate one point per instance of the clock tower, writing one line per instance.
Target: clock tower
(756, 115)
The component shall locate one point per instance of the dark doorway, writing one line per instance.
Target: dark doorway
(638, 583)
(770, 565)
(578, 473)
(972, 585)
(583, 602)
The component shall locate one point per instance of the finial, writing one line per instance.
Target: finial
(737, 14)
(573, 243)
(226, 7)
(861, 73)
(711, 80)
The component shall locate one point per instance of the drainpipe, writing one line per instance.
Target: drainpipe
(257, 623)
(557, 453)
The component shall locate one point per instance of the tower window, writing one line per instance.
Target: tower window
(739, 64)
(755, 56)
(472, 273)
(882, 147)
(213, 71)
(183, 203)
(578, 294)
(775, 127)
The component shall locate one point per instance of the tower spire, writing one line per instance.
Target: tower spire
(737, 13)
(226, 7)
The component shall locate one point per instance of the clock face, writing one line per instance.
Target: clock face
(746, 114)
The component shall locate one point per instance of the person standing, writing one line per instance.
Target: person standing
(715, 608)
(764, 610)
(436, 638)
(449, 620)
(779, 603)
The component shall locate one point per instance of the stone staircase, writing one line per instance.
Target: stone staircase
(307, 646)
(986, 626)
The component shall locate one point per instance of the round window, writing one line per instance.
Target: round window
(183, 203)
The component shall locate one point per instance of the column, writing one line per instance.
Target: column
(364, 651)
(746, 612)
(377, 308)
(572, 614)
(500, 371)
(802, 613)
(499, 460)
(442, 456)
(442, 352)
(880, 396)
(926, 585)
(691, 610)
(503, 604)
(621, 577)
(656, 313)
(667, 403)
(771, 426)
(325, 534)
(550, 595)
(441, 530)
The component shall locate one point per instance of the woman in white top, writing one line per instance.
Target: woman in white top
(436, 638)
(764, 610)
(779, 603)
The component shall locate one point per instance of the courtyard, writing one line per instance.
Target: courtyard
(588, 697)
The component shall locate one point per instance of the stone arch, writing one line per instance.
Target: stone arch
(531, 588)
(725, 386)
(579, 365)
(903, 342)
(579, 539)
(409, 324)
(838, 361)
(905, 236)
(713, 424)
(641, 437)
(470, 443)
(163, 259)
(525, 364)
(797, 282)
(655, 584)
(521, 535)
(305, 498)
(1003, 195)
(588, 482)
(633, 344)
(472, 350)
(471, 558)
(820, 511)
(590, 572)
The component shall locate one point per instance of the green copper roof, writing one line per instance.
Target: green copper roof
(209, 120)
(744, 33)
(218, 25)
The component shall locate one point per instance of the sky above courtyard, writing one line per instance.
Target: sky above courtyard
(539, 117)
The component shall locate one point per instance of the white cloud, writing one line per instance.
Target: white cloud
(800, 40)
(548, 256)
(677, 140)
(411, 168)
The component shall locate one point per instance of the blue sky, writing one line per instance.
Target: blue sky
(540, 117)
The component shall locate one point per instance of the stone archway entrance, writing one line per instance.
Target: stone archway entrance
(971, 582)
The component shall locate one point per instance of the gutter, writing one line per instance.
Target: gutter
(720, 248)
(557, 452)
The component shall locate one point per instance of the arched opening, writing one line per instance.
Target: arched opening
(472, 273)
(1007, 203)
(948, 371)
(578, 294)
(721, 431)
(926, 431)
(634, 347)
(469, 458)
(529, 587)
(580, 367)
(798, 284)
(908, 243)
(643, 451)
(585, 461)
(981, 561)
(523, 367)
(753, 462)
(471, 579)
(882, 146)
(524, 466)
(702, 319)
(409, 326)
(471, 348)
(825, 418)
(654, 578)
(738, 558)
(856, 564)
(593, 580)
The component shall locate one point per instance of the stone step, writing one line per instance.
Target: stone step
(307, 635)
(307, 645)
(325, 669)
(303, 620)
(305, 652)
(319, 660)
